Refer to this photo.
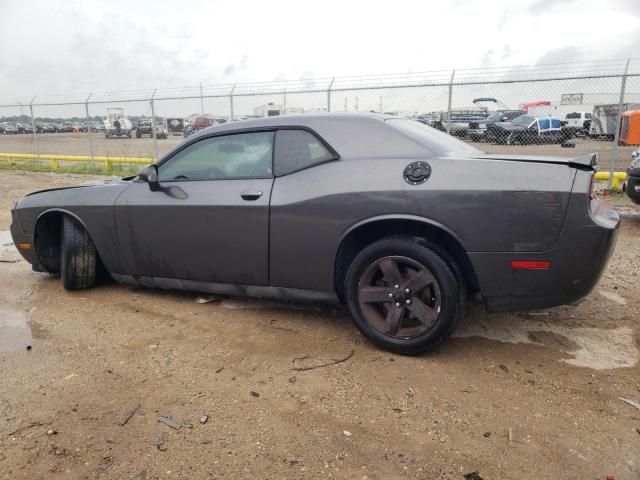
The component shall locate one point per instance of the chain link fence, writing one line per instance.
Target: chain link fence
(563, 109)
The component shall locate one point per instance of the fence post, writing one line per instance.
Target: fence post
(33, 125)
(153, 127)
(201, 101)
(231, 101)
(449, 102)
(329, 94)
(86, 109)
(616, 136)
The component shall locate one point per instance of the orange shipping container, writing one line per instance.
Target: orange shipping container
(630, 128)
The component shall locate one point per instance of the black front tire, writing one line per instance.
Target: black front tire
(451, 289)
(78, 259)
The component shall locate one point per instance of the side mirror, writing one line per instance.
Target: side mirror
(149, 174)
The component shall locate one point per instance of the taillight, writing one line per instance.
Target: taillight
(592, 188)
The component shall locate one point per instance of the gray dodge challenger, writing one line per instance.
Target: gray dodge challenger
(396, 220)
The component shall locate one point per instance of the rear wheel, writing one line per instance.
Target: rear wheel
(403, 296)
(78, 259)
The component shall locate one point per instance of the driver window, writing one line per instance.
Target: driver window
(242, 155)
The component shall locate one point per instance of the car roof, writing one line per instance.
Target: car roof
(351, 135)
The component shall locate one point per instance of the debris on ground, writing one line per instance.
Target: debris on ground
(614, 297)
(487, 434)
(219, 370)
(510, 433)
(158, 441)
(51, 431)
(204, 419)
(630, 402)
(328, 364)
(254, 394)
(346, 433)
(208, 299)
(167, 420)
(128, 416)
(292, 379)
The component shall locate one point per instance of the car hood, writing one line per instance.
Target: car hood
(94, 184)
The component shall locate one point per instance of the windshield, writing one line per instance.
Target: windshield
(523, 120)
(437, 142)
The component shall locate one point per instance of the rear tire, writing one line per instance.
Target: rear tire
(418, 315)
(78, 259)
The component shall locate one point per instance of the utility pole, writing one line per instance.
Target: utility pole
(86, 110)
(449, 102)
(201, 101)
(616, 137)
(153, 126)
(33, 125)
(329, 94)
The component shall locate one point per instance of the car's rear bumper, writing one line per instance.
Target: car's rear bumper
(21, 240)
(633, 185)
(575, 264)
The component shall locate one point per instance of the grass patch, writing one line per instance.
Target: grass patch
(88, 168)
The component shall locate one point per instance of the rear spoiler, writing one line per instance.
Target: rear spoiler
(583, 162)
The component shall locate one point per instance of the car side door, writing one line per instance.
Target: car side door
(297, 227)
(208, 218)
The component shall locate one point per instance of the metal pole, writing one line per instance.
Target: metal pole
(449, 103)
(33, 125)
(231, 101)
(284, 101)
(345, 104)
(616, 137)
(329, 94)
(86, 110)
(201, 101)
(380, 103)
(356, 105)
(153, 127)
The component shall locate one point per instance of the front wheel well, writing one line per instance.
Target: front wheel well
(48, 241)
(444, 243)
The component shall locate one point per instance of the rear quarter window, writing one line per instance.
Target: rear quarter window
(437, 142)
(298, 149)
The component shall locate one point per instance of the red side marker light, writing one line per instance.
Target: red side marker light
(530, 265)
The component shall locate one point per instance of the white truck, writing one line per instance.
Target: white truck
(116, 124)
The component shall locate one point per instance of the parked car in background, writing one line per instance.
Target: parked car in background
(97, 126)
(144, 128)
(578, 122)
(24, 127)
(42, 127)
(396, 220)
(478, 129)
(527, 129)
(632, 186)
(7, 128)
(116, 124)
(66, 127)
(198, 124)
(458, 124)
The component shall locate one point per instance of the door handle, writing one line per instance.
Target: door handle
(251, 194)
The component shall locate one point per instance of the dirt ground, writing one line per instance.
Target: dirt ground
(511, 396)
(78, 144)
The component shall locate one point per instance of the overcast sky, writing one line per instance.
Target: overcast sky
(79, 46)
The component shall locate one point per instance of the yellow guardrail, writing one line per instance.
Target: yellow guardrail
(54, 159)
(618, 179)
